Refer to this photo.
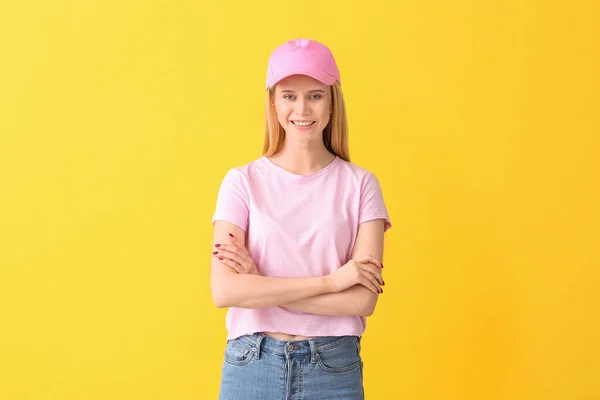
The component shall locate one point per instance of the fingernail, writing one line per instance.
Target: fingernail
(230, 235)
(220, 259)
(217, 245)
(382, 290)
(215, 252)
(381, 265)
(383, 283)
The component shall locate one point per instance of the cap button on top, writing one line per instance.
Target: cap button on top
(302, 42)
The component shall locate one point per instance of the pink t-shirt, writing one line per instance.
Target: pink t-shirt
(298, 226)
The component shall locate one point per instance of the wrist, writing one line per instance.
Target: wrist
(327, 284)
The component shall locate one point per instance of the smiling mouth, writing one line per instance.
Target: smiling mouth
(302, 123)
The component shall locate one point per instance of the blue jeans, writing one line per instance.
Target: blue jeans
(257, 367)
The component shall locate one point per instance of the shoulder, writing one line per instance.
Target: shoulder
(245, 173)
(358, 173)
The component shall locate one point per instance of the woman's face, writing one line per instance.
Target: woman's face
(303, 106)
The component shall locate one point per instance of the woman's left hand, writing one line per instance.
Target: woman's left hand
(236, 256)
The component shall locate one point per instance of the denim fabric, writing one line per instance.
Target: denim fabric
(325, 368)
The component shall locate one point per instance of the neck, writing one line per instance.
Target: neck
(303, 159)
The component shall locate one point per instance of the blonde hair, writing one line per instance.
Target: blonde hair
(335, 134)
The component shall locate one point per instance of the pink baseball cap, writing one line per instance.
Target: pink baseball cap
(302, 57)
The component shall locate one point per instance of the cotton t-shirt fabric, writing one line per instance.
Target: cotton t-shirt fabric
(298, 226)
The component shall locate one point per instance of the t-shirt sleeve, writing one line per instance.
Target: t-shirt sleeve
(372, 205)
(232, 201)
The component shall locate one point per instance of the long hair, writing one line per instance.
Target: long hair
(335, 134)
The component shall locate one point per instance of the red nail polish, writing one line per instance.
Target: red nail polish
(220, 259)
(215, 252)
(382, 290)
(230, 235)
(383, 283)
(381, 265)
(217, 245)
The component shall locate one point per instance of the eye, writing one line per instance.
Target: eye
(315, 96)
(287, 96)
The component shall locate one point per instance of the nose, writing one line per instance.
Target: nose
(301, 106)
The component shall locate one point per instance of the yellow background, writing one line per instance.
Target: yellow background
(118, 121)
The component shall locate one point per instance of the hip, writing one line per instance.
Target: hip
(260, 367)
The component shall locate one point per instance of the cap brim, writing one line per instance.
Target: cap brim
(321, 76)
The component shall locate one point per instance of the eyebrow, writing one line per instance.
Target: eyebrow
(310, 91)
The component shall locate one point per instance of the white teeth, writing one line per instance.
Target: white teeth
(303, 123)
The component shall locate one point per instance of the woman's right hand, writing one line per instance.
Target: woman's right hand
(365, 270)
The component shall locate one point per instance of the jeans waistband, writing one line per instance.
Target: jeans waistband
(261, 342)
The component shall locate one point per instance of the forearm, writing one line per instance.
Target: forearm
(356, 300)
(255, 291)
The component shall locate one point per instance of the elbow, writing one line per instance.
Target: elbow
(220, 303)
(219, 298)
(222, 290)
(368, 310)
(223, 298)
(369, 304)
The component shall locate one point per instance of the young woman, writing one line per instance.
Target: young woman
(298, 243)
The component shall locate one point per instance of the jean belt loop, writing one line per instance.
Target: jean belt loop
(313, 351)
(256, 348)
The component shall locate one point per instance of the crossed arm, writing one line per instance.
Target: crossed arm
(312, 295)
